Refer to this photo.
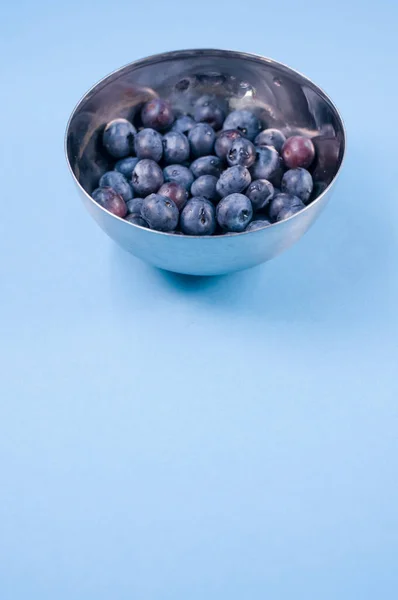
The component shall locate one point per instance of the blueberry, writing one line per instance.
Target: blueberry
(245, 122)
(175, 192)
(179, 174)
(198, 217)
(201, 139)
(136, 219)
(160, 213)
(299, 183)
(206, 165)
(208, 110)
(157, 114)
(224, 142)
(234, 212)
(271, 137)
(260, 192)
(285, 213)
(242, 152)
(283, 201)
(125, 166)
(175, 148)
(110, 200)
(147, 177)
(298, 151)
(268, 164)
(118, 138)
(134, 206)
(258, 224)
(205, 186)
(183, 124)
(148, 144)
(118, 182)
(233, 180)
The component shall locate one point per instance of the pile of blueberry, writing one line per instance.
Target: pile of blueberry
(209, 173)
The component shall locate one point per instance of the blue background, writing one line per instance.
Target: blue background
(165, 438)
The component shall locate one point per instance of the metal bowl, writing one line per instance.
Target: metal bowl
(280, 96)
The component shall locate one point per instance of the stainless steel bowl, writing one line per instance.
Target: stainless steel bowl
(281, 97)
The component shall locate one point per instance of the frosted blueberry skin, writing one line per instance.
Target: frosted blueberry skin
(175, 192)
(160, 213)
(299, 183)
(242, 152)
(283, 201)
(125, 166)
(285, 213)
(180, 174)
(207, 165)
(134, 206)
(268, 165)
(234, 213)
(244, 121)
(205, 186)
(208, 109)
(201, 139)
(110, 200)
(118, 138)
(270, 137)
(137, 220)
(233, 180)
(148, 144)
(198, 217)
(176, 148)
(147, 177)
(183, 124)
(118, 182)
(260, 192)
(224, 142)
(258, 224)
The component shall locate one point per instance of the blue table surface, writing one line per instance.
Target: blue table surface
(165, 438)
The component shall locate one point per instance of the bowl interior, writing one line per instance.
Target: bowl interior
(281, 97)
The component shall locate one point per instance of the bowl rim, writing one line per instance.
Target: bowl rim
(159, 57)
